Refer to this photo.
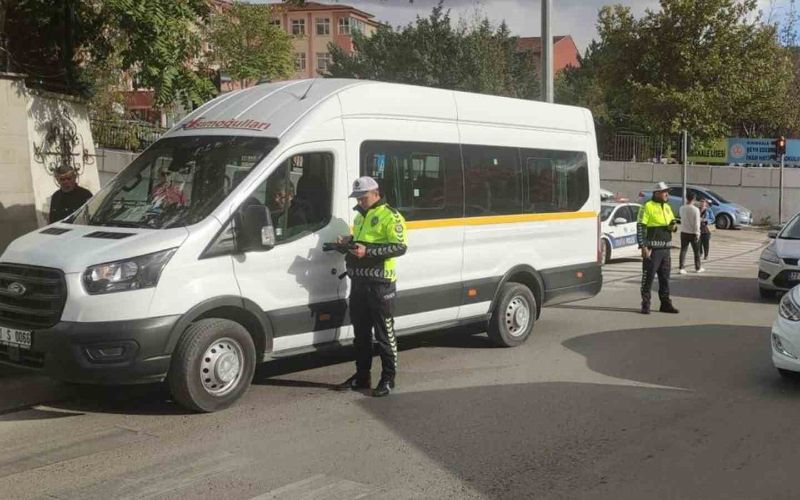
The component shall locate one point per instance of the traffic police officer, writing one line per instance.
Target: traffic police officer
(654, 234)
(379, 236)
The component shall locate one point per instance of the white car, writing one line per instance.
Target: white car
(786, 334)
(779, 265)
(618, 228)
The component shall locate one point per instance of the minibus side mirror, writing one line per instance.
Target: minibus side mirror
(620, 220)
(255, 231)
(772, 235)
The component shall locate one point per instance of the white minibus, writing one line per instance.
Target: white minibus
(205, 255)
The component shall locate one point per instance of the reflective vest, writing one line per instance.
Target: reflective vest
(383, 231)
(653, 226)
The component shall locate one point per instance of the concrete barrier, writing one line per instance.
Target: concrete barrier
(754, 188)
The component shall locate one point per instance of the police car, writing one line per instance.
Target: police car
(786, 334)
(779, 265)
(618, 228)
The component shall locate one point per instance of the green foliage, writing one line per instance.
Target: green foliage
(247, 46)
(161, 40)
(62, 44)
(434, 53)
(710, 66)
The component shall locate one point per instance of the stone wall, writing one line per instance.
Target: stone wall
(26, 185)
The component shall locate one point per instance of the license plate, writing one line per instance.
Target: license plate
(16, 338)
(795, 276)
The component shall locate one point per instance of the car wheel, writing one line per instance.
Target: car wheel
(212, 366)
(514, 314)
(605, 252)
(724, 221)
(765, 293)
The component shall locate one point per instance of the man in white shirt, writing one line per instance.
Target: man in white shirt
(690, 233)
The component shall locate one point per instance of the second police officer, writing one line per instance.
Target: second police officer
(379, 236)
(654, 230)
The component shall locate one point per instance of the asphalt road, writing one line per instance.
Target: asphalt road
(601, 402)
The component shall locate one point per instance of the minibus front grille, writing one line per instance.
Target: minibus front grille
(31, 296)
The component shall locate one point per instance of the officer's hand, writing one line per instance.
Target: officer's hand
(343, 240)
(645, 253)
(359, 251)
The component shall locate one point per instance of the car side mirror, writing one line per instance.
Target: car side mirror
(772, 235)
(620, 220)
(255, 231)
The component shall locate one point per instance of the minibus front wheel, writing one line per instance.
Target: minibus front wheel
(512, 319)
(212, 366)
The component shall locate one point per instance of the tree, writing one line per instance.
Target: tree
(246, 44)
(56, 41)
(434, 53)
(710, 66)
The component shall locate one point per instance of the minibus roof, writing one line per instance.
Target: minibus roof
(270, 110)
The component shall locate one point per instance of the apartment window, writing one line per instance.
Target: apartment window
(276, 23)
(344, 25)
(323, 26)
(324, 60)
(300, 61)
(298, 27)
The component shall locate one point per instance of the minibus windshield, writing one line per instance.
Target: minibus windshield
(176, 182)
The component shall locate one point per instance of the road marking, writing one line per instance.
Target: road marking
(37, 455)
(160, 479)
(323, 487)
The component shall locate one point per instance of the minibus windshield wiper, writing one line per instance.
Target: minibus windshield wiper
(123, 223)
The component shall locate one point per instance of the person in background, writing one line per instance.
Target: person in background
(70, 196)
(167, 192)
(706, 218)
(690, 234)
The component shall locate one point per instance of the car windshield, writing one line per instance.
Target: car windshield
(605, 211)
(717, 196)
(792, 229)
(176, 182)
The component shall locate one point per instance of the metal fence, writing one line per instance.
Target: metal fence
(635, 147)
(128, 135)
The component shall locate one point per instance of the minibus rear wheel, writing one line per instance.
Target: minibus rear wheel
(212, 366)
(513, 316)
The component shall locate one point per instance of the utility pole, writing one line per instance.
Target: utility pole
(780, 193)
(685, 149)
(547, 52)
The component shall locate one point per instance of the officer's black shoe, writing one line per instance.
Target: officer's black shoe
(645, 308)
(668, 308)
(383, 388)
(355, 383)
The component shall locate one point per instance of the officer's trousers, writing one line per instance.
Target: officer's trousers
(372, 307)
(658, 264)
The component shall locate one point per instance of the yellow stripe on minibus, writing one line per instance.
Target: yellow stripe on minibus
(498, 219)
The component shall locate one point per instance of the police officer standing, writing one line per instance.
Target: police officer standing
(379, 236)
(654, 234)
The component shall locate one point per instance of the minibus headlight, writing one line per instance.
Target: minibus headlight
(128, 274)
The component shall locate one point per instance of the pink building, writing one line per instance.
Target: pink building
(565, 52)
(314, 25)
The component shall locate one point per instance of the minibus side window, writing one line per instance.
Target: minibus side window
(298, 195)
(493, 180)
(421, 180)
(556, 181)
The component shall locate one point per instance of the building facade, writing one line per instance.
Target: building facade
(314, 26)
(565, 52)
